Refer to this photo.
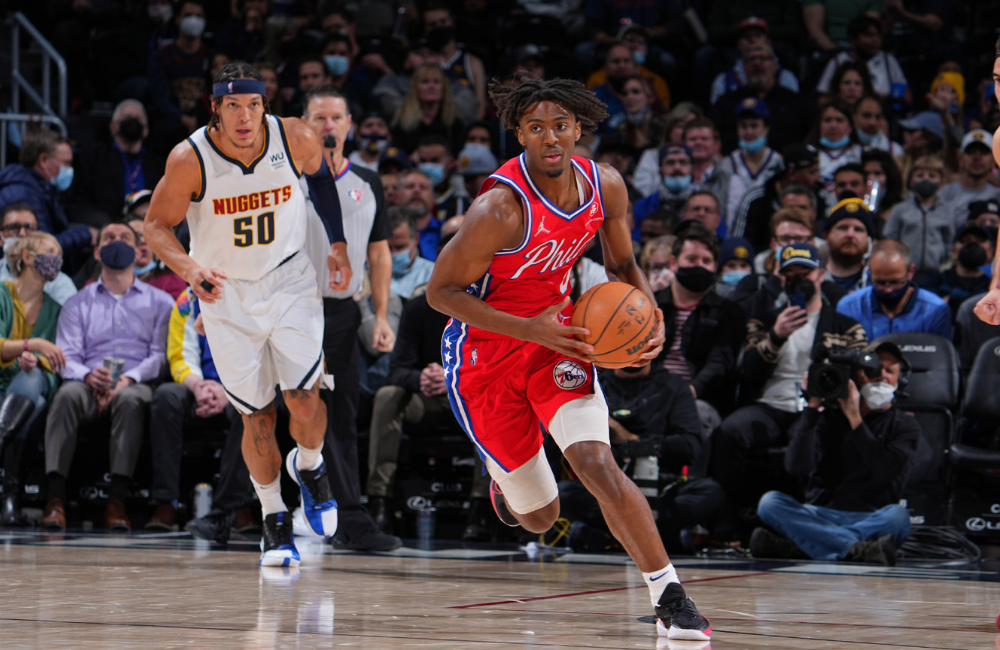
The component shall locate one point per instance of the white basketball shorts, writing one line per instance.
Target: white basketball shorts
(267, 332)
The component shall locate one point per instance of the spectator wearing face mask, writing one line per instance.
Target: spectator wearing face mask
(893, 303)
(409, 270)
(753, 163)
(971, 253)
(868, 121)
(18, 222)
(373, 139)
(620, 67)
(338, 56)
(923, 222)
(674, 187)
(735, 264)
(636, 38)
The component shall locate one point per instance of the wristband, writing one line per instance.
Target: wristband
(26, 345)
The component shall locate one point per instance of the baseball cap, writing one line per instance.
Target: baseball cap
(525, 52)
(673, 147)
(476, 159)
(753, 22)
(136, 199)
(850, 208)
(393, 157)
(628, 26)
(972, 228)
(977, 136)
(977, 208)
(736, 248)
(799, 156)
(753, 106)
(801, 254)
(929, 120)
(885, 346)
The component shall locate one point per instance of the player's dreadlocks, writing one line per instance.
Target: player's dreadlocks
(514, 99)
(232, 72)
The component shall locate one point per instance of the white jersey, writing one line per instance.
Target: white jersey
(247, 219)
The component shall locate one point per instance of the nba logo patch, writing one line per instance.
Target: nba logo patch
(475, 355)
(569, 374)
(355, 194)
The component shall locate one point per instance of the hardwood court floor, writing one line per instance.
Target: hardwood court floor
(168, 591)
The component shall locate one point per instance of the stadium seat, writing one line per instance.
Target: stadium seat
(980, 404)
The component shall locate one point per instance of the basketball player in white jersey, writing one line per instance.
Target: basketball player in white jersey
(237, 183)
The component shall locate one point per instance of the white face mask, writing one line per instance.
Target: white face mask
(878, 395)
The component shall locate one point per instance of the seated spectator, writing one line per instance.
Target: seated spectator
(751, 31)
(791, 114)
(391, 89)
(703, 329)
(780, 340)
(242, 35)
(735, 263)
(970, 254)
(416, 193)
(427, 109)
(434, 159)
(116, 316)
(923, 222)
(312, 73)
(458, 65)
(108, 172)
(45, 170)
(850, 83)
(797, 199)
(849, 178)
(827, 21)
(29, 357)
(194, 401)
(655, 261)
(971, 333)
(674, 186)
(604, 22)
(644, 122)
(833, 136)
(177, 78)
(636, 38)
(646, 176)
(923, 135)
(893, 303)
(338, 55)
(648, 404)
(149, 269)
(853, 462)
(269, 74)
(753, 220)
(881, 166)
(702, 138)
(848, 234)
(409, 270)
(657, 224)
(985, 214)
(373, 139)
(753, 163)
(18, 222)
(704, 206)
(975, 165)
(887, 78)
(475, 163)
(868, 127)
(619, 67)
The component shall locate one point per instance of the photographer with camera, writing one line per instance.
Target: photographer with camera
(853, 456)
(652, 414)
(781, 334)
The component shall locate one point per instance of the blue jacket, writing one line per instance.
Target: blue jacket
(924, 312)
(19, 184)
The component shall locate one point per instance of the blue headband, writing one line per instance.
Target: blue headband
(238, 87)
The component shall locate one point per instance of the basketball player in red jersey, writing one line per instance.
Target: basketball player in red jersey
(511, 363)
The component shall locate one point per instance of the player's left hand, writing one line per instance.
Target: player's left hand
(383, 340)
(338, 262)
(655, 345)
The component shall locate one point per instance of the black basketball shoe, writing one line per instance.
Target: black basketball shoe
(500, 505)
(678, 618)
(277, 544)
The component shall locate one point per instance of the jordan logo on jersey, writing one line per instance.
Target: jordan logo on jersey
(541, 227)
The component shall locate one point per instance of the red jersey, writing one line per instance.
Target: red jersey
(536, 274)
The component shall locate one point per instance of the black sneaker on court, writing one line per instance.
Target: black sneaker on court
(765, 544)
(500, 506)
(277, 544)
(678, 618)
(874, 551)
(213, 527)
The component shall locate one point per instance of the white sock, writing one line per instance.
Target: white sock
(657, 581)
(270, 496)
(309, 459)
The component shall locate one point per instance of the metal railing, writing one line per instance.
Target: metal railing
(7, 119)
(49, 56)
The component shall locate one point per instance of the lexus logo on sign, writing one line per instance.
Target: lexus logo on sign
(975, 524)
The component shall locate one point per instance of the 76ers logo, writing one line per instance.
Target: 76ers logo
(569, 374)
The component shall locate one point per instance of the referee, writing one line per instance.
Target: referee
(366, 228)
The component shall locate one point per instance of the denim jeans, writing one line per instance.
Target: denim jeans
(34, 386)
(828, 534)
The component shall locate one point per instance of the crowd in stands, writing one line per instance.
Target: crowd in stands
(800, 175)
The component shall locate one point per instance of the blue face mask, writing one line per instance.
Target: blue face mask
(143, 270)
(639, 57)
(434, 171)
(63, 179)
(835, 144)
(754, 145)
(677, 184)
(733, 277)
(338, 65)
(400, 262)
(867, 139)
(117, 255)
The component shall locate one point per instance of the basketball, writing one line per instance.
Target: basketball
(621, 322)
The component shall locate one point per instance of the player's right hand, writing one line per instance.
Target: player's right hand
(988, 308)
(206, 274)
(547, 330)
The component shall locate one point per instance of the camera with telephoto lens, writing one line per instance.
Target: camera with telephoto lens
(832, 370)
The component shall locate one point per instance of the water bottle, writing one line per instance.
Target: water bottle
(202, 500)
(425, 526)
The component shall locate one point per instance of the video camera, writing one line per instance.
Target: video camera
(832, 370)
